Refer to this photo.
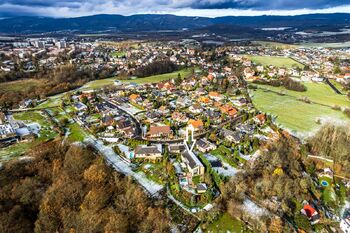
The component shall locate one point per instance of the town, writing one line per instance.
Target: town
(181, 118)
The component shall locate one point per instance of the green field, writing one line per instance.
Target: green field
(161, 77)
(46, 133)
(118, 54)
(20, 85)
(298, 116)
(275, 61)
(276, 45)
(317, 92)
(76, 133)
(96, 84)
(225, 224)
(325, 45)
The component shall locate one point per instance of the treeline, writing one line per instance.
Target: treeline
(58, 80)
(157, 67)
(286, 82)
(275, 175)
(333, 142)
(70, 189)
(12, 76)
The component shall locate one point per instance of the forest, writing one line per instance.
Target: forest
(157, 67)
(55, 81)
(67, 188)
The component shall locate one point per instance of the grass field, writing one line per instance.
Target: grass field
(225, 224)
(20, 85)
(296, 115)
(119, 54)
(46, 133)
(276, 45)
(317, 92)
(96, 84)
(161, 77)
(275, 61)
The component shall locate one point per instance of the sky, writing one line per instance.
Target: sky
(208, 8)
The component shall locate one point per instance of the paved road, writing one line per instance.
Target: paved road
(123, 167)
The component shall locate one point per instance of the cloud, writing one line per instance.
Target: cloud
(211, 8)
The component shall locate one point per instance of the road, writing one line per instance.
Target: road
(123, 167)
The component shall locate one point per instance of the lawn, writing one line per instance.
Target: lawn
(46, 131)
(225, 224)
(317, 92)
(275, 61)
(76, 133)
(14, 150)
(20, 85)
(293, 114)
(276, 45)
(161, 77)
(96, 84)
(118, 54)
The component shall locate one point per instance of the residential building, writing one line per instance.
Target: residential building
(148, 152)
(194, 166)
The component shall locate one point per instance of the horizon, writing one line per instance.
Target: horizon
(195, 8)
(171, 14)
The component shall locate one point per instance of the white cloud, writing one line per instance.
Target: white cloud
(177, 7)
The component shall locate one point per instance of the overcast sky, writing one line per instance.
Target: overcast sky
(209, 8)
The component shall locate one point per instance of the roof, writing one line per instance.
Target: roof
(144, 149)
(177, 147)
(22, 132)
(196, 123)
(134, 96)
(192, 159)
(309, 210)
(260, 117)
(155, 130)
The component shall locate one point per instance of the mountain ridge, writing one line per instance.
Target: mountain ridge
(149, 22)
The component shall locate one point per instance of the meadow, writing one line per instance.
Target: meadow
(275, 61)
(21, 85)
(96, 84)
(300, 117)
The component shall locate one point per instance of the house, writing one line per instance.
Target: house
(196, 108)
(179, 117)
(194, 166)
(176, 148)
(135, 98)
(345, 225)
(163, 110)
(203, 145)
(148, 152)
(24, 134)
(196, 124)
(310, 213)
(260, 119)
(201, 188)
(232, 136)
(248, 73)
(215, 96)
(107, 120)
(159, 131)
(229, 110)
(80, 106)
(7, 134)
(246, 128)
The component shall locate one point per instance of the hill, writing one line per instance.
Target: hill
(152, 22)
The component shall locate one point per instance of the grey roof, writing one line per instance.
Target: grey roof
(177, 147)
(143, 149)
(192, 159)
(202, 143)
(21, 132)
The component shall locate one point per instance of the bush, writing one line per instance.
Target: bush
(290, 84)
